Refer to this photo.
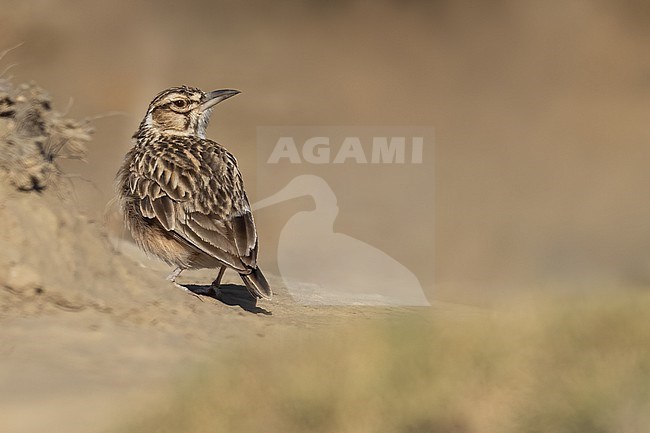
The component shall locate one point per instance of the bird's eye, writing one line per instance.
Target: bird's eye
(180, 103)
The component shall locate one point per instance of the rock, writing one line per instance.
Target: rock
(24, 280)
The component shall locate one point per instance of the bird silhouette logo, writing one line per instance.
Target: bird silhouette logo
(321, 266)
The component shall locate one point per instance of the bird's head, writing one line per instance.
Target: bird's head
(183, 110)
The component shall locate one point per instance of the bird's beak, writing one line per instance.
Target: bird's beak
(213, 98)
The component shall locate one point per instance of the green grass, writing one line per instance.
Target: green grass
(565, 366)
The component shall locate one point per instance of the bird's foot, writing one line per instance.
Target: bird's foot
(185, 289)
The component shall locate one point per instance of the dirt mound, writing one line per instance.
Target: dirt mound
(50, 254)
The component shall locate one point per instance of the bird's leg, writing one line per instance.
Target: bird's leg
(172, 277)
(217, 281)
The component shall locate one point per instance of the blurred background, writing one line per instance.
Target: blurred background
(540, 110)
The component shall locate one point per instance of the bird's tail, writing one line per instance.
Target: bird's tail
(257, 284)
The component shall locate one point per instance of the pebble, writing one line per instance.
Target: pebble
(23, 279)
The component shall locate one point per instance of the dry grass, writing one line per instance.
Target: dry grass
(564, 366)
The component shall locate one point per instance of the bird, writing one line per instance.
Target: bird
(182, 195)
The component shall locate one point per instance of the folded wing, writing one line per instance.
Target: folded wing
(195, 190)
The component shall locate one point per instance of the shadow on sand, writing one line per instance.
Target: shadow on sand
(229, 294)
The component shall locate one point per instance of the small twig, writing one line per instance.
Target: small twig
(5, 70)
(8, 50)
(105, 115)
(80, 177)
(68, 107)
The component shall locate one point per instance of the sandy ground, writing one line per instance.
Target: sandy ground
(77, 371)
(91, 329)
(74, 370)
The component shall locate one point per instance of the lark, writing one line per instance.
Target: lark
(182, 195)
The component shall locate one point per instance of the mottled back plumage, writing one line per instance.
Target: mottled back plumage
(182, 194)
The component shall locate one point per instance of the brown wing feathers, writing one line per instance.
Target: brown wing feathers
(205, 205)
(245, 238)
